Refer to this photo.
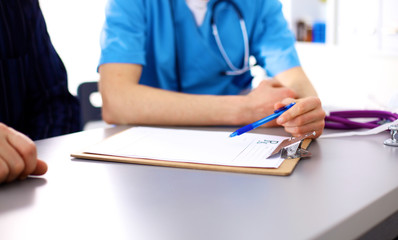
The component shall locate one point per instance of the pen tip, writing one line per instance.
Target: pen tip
(233, 134)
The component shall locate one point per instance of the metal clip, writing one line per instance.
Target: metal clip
(291, 148)
(291, 152)
(393, 141)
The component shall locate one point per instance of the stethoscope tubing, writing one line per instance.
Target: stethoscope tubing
(234, 70)
(340, 119)
(333, 122)
(364, 114)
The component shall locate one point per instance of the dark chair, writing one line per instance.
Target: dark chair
(89, 112)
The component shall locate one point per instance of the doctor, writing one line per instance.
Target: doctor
(185, 62)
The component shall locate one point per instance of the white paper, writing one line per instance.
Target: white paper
(372, 131)
(194, 146)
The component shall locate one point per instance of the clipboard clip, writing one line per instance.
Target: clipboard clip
(291, 148)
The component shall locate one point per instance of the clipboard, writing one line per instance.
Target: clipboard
(285, 169)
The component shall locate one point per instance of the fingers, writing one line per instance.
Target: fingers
(41, 168)
(12, 163)
(4, 170)
(26, 149)
(306, 116)
(303, 129)
(274, 89)
(284, 102)
(302, 106)
(12, 160)
(18, 156)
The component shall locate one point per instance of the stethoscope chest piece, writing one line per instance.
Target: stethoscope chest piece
(393, 141)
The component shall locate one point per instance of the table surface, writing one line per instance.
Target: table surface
(346, 188)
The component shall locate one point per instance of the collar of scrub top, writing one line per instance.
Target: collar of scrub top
(343, 119)
(233, 69)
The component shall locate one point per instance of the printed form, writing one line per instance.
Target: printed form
(193, 146)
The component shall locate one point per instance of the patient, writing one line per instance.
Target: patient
(34, 99)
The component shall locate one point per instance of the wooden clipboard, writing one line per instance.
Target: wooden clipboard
(285, 169)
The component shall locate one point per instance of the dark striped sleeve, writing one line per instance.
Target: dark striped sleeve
(34, 93)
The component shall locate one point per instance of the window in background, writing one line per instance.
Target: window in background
(74, 27)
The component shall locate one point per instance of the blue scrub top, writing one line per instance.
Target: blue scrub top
(146, 32)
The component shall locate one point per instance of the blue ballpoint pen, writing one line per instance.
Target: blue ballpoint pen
(260, 122)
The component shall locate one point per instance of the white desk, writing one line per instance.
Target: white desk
(346, 189)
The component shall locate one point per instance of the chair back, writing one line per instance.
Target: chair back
(89, 111)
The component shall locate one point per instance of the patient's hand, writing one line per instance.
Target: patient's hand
(18, 156)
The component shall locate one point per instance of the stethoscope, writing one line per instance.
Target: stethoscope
(233, 70)
(344, 119)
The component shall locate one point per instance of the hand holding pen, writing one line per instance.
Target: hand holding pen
(306, 116)
(262, 121)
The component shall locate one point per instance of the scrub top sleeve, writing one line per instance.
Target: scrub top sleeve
(123, 34)
(273, 42)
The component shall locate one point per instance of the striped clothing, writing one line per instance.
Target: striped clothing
(34, 98)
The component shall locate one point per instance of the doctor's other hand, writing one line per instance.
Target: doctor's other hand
(18, 156)
(262, 99)
(305, 116)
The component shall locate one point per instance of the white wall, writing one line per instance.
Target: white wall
(348, 78)
(74, 27)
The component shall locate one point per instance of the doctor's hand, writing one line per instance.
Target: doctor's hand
(18, 157)
(262, 99)
(305, 116)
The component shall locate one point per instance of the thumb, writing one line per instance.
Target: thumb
(41, 168)
(283, 103)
